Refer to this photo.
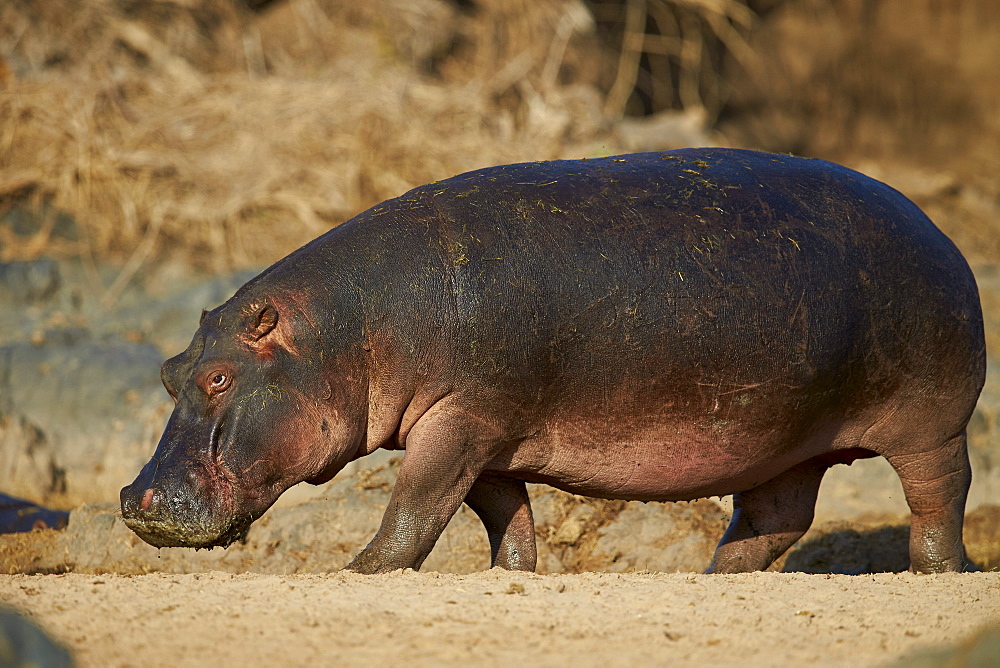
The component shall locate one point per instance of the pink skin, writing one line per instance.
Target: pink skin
(147, 498)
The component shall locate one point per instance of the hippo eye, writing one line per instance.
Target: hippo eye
(218, 382)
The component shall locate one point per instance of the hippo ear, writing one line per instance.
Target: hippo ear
(261, 322)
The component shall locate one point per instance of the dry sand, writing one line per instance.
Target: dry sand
(503, 618)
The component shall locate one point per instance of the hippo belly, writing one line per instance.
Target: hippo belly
(676, 461)
(657, 326)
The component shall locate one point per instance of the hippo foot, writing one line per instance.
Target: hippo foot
(936, 482)
(768, 519)
(373, 561)
(505, 510)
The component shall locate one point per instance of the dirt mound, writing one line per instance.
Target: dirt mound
(574, 535)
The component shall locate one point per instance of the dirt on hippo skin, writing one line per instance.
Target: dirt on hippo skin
(499, 617)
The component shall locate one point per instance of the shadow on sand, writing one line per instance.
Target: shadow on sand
(852, 552)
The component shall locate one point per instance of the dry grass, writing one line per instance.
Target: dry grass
(231, 138)
(201, 131)
(674, 54)
(198, 130)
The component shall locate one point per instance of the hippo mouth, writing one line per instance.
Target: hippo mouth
(172, 516)
(196, 534)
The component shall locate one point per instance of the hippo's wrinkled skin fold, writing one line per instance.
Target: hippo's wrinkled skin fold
(659, 326)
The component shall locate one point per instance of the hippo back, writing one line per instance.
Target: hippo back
(690, 283)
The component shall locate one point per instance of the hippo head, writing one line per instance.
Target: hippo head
(254, 415)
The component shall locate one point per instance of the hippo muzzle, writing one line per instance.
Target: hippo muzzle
(192, 508)
(218, 465)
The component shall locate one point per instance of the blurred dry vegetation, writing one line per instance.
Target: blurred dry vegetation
(224, 134)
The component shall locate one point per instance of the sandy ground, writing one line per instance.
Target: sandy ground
(504, 618)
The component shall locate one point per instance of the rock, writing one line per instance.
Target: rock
(77, 421)
(164, 310)
(23, 643)
(81, 403)
(574, 526)
(30, 282)
(979, 651)
(665, 538)
(865, 486)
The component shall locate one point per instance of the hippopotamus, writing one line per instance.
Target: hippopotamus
(655, 327)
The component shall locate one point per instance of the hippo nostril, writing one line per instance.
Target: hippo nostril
(147, 500)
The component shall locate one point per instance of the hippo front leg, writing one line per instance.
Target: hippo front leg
(443, 459)
(503, 506)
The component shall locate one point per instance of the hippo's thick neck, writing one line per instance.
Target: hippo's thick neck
(352, 309)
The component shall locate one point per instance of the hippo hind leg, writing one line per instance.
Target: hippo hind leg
(768, 519)
(936, 484)
(503, 506)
